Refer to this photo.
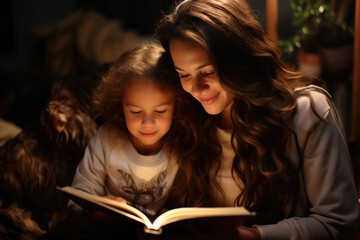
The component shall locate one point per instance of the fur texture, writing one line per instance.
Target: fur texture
(46, 154)
(15, 223)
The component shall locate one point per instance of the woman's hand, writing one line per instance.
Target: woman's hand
(214, 229)
(249, 233)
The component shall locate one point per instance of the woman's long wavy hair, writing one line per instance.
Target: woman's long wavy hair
(250, 69)
(147, 62)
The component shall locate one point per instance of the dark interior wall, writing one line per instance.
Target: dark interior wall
(24, 86)
(285, 29)
(134, 14)
(20, 17)
(23, 91)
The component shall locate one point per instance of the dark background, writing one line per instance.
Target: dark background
(25, 79)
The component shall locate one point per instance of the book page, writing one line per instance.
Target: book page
(178, 214)
(168, 217)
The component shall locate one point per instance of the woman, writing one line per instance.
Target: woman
(272, 139)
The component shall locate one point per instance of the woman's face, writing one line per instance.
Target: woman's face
(198, 76)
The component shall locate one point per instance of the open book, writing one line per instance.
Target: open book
(174, 215)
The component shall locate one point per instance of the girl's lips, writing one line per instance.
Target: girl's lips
(150, 134)
(210, 100)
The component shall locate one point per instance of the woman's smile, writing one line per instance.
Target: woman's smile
(208, 100)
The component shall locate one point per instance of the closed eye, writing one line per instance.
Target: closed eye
(135, 112)
(207, 73)
(161, 111)
(183, 75)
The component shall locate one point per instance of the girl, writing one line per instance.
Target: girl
(272, 140)
(133, 155)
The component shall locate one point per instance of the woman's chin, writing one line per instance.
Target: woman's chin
(212, 110)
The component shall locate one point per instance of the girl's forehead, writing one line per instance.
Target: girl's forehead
(162, 85)
(140, 93)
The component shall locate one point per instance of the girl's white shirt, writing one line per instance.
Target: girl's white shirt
(116, 168)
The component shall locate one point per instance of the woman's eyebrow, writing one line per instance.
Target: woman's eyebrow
(201, 66)
(177, 68)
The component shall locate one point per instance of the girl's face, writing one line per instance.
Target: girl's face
(148, 115)
(198, 76)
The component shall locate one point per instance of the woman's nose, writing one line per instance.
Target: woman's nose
(198, 85)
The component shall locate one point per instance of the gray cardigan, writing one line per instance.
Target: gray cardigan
(327, 206)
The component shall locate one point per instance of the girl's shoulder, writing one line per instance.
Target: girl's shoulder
(107, 138)
(101, 134)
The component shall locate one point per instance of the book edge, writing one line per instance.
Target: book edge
(109, 204)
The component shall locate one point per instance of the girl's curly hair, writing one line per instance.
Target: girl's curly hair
(147, 62)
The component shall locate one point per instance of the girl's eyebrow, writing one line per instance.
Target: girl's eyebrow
(201, 66)
(133, 105)
(163, 105)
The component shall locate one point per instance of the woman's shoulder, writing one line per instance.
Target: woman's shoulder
(313, 97)
(312, 102)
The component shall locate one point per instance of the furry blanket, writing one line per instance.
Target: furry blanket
(45, 155)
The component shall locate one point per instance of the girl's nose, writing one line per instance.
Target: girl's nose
(148, 119)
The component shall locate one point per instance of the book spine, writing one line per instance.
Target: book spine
(153, 231)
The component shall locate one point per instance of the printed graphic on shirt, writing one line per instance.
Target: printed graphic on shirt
(144, 192)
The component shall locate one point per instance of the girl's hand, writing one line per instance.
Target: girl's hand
(98, 215)
(119, 199)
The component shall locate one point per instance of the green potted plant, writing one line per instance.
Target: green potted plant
(320, 25)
